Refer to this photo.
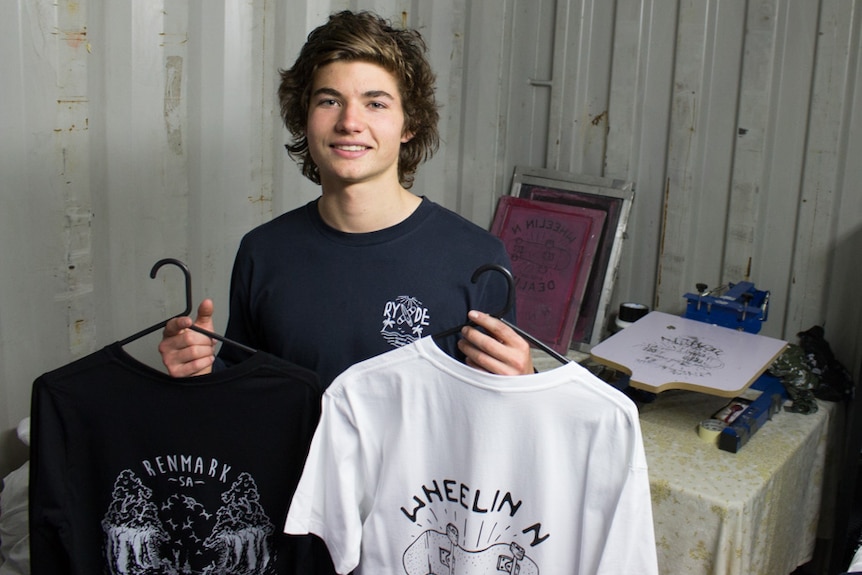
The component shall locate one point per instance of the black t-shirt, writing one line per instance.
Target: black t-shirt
(326, 299)
(133, 471)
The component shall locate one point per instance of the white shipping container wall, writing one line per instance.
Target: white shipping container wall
(138, 130)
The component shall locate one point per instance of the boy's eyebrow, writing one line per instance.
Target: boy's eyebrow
(369, 94)
(379, 94)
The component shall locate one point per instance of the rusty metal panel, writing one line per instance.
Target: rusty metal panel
(703, 108)
(579, 118)
(843, 304)
(771, 145)
(639, 116)
(46, 292)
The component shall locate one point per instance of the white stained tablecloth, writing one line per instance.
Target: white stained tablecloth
(720, 513)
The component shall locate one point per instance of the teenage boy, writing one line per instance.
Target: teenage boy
(368, 265)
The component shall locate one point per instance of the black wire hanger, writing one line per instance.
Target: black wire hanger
(187, 311)
(510, 302)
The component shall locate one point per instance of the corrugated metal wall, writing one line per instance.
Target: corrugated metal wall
(137, 130)
(739, 124)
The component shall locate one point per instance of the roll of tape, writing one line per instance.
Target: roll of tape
(709, 429)
(630, 313)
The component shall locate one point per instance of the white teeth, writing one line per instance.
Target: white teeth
(351, 148)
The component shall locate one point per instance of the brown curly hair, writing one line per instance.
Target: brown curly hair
(366, 37)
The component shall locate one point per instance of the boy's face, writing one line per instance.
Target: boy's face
(355, 124)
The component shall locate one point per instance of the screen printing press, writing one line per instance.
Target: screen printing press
(661, 352)
(720, 492)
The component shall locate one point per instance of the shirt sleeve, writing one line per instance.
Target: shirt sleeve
(240, 324)
(48, 515)
(327, 500)
(629, 544)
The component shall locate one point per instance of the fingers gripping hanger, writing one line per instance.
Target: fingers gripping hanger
(510, 302)
(188, 277)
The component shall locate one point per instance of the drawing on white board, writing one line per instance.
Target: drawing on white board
(683, 356)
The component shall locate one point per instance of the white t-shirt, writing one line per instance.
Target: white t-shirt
(421, 464)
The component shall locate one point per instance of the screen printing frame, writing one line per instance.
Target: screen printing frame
(615, 198)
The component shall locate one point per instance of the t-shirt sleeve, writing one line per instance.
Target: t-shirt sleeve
(240, 322)
(629, 544)
(327, 500)
(48, 515)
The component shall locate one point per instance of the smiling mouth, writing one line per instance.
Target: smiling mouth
(351, 148)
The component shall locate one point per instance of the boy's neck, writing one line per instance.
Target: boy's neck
(358, 209)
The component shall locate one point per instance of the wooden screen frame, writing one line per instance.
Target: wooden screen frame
(613, 196)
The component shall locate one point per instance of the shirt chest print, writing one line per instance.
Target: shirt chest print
(404, 321)
(478, 537)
